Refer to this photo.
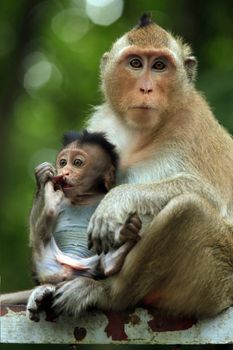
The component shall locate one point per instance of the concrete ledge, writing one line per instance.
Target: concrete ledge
(140, 326)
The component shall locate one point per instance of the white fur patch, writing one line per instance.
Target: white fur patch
(175, 50)
(163, 165)
(104, 120)
(120, 45)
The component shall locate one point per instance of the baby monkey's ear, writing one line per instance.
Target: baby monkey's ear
(110, 178)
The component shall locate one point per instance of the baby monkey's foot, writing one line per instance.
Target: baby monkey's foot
(130, 230)
(40, 299)
(105, 234)
(113, 261)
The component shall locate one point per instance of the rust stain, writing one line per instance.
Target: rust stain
(164, 323)
(134, 319)
(80, 333)
(3, 310)
(116, 325)
(14, 308)
(116, 321)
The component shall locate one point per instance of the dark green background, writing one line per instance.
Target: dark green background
(32, 121)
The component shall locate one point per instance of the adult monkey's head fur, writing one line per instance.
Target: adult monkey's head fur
(144, 70)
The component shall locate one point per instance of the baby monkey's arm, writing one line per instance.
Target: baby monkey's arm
(45, 206)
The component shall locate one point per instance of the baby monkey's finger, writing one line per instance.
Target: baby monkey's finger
(135, 220)
(131, 227)
(128, 235)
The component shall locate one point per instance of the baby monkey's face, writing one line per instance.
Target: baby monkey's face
(80, 168)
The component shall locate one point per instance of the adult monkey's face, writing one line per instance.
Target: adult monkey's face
(145, 72)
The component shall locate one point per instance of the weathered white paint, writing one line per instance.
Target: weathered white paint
(16, 328)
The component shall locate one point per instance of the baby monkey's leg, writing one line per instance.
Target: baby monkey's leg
(113, 261)
(110, 263)
(75, 263)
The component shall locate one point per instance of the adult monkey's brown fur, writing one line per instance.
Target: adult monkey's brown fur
(178, 163)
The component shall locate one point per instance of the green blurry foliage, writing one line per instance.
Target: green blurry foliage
(49, 67)
(49, 64)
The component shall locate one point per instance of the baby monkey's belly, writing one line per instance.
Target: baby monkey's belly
(67, 254)
(73, 242)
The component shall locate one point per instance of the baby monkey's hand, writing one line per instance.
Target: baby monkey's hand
(43, 173)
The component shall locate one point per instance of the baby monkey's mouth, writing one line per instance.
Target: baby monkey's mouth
(60, 182)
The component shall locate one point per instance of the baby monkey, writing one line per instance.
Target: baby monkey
(65, 200)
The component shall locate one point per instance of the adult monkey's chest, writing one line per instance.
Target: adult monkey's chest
(161, 166)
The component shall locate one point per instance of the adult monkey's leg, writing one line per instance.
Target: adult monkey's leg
(186, 257)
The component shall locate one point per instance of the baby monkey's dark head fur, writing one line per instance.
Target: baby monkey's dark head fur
(92, 138)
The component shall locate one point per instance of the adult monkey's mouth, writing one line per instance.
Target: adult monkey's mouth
(146, 107)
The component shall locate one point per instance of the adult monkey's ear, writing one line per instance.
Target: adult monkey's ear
(104, 60)
(110, 178)
(190, 64)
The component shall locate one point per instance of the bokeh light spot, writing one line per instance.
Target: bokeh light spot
(40, 72)
(104, 12)
(38, 75)
(70, 25)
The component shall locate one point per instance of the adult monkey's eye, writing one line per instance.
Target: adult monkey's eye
(62, 162)
(78, 162)
(136, 63)
(159, 65)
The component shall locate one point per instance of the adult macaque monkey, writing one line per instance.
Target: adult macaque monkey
(177, 163)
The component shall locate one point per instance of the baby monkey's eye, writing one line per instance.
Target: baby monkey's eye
(62, 162)
(136, 63)
(159, 65)
(78, 162)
